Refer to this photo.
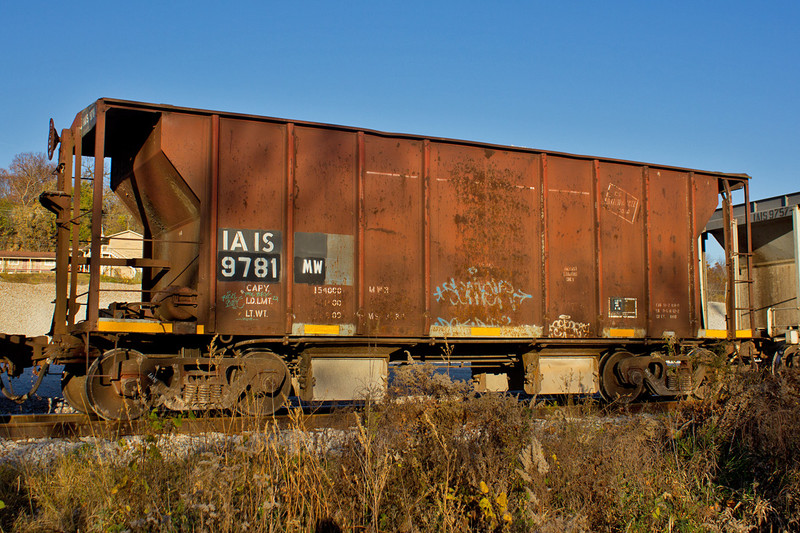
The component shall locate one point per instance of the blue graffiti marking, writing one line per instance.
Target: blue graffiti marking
(499, 294)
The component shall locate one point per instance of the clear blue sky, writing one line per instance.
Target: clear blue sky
(713, 85)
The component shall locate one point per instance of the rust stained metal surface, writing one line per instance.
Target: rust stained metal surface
(623, 241)
(394, 270)
(250, 227)
(309, 229)
(570, 224)
(164, 108)
(167, 183)
(484, 262)
(325, 228)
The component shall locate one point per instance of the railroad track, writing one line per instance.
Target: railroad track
(71, 426)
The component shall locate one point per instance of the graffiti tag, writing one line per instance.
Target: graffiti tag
(474, 322)
(563, 327)
(500, 294)
(233, 300)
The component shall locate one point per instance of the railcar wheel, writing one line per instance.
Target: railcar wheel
(788, 358)
(73, 387)
(118, 385)
(613, 386)
(263, 384)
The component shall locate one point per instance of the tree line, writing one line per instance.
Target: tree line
(26, 225)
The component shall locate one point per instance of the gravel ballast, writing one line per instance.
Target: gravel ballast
(27, 308)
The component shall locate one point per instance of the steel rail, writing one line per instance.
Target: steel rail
(75, 426)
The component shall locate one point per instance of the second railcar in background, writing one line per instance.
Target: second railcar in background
(773, 279)
(289, 257)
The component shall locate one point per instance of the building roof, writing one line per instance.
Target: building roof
(127, 232)
(23, 254)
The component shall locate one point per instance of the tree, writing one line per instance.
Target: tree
(716, 277)
(116, 216)
(27, 177)
(24, 224)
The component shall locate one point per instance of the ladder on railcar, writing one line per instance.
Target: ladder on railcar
(739, 264)
(65, 203)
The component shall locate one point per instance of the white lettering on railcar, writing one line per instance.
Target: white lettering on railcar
(312, 266)
(378, 289)
(667, 310)
(621, 203)
(327, 290)
(238, 242)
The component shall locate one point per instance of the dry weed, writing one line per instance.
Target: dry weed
(433, 456)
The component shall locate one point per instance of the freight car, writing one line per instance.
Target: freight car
(292, 258)
(775, 228)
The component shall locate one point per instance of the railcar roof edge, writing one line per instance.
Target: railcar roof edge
(145, 106)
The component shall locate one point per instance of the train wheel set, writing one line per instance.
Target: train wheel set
(252, 380)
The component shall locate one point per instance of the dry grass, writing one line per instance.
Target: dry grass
(432, 456)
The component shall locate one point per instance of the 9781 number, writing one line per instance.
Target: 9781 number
(243, 266)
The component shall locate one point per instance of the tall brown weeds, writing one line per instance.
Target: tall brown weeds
(433, 456)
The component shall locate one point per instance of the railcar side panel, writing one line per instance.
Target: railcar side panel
(670, 246)
(325, 217)
(251, 259)
(357, 228)
(170, 209)
(571, 249)
(485, 253)
(622, 242)
(493, 242)
(394, 292)
(185, 141)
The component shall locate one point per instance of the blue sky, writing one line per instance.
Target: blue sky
(704, 84)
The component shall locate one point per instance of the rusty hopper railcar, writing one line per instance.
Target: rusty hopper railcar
(285, 257)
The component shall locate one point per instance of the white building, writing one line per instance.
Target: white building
(123, 245)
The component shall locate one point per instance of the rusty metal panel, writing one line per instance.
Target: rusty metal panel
(622, 241)
(669, 217)
(571, 249)
(312, 229)
(325, 227)
(185, 140)
(384, 235)
(393, 267)
(571, 374)
(250, 263)
(170, 213)
(485, 246)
